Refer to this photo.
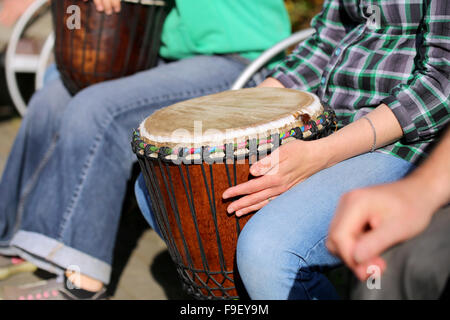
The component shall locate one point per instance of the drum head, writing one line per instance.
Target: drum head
(229, 116)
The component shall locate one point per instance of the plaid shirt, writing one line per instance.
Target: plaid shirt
(368, 52)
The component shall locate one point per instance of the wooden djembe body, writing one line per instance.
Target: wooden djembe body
(187, 168)
(92, 47)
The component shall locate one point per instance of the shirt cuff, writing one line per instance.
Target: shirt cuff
(410, 132)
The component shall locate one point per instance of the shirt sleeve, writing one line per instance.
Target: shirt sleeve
(304, 67)
(421, 105)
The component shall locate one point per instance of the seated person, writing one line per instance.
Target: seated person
(63, 187)
(405, 217)
(386, 76)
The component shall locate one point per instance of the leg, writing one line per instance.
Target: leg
(85, 177)
(145, 203)
(417, 269)
(281, 251)
(29, 153)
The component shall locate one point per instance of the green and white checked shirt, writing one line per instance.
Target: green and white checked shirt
(368, 52)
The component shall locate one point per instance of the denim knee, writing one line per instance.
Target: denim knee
(281, 255)
(87, 117)
(267, 266)
(45, 110)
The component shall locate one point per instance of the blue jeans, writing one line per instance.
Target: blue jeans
(64, 183)
(281, 252)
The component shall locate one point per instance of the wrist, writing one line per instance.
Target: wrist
(329, 155)
(324, 155)
(424, 193)
(271, 82)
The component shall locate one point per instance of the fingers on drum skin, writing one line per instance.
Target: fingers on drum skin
(111, 6)
(98, 4)
(116, 5)
(107, 4)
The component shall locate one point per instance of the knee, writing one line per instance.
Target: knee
(48, 103)
(87, 113)
(91, 103)
(254, 263)
(253, 251)
(265, 261)
(261, 251)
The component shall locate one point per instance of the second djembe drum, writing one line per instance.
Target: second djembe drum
(102, 47)
(191, 152)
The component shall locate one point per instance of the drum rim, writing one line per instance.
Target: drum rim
(323, 125)
(312, 109)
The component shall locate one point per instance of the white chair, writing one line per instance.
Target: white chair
(26, 63)
(266, 56)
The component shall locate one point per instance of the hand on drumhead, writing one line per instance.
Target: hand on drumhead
(108, 6)
(276, 173)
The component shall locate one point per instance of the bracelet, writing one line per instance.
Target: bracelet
(374, 134)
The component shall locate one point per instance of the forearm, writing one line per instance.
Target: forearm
(358, 137)
(271, 83)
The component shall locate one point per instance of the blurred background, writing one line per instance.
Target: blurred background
(302, 11)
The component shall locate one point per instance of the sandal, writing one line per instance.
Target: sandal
(53, 289)
(13, 265)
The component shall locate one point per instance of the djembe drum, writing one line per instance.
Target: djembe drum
(104, 47)
(191, 152)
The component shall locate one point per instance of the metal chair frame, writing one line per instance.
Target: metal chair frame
(25, 63)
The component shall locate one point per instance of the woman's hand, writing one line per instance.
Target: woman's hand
(109, 6)
(281, 170)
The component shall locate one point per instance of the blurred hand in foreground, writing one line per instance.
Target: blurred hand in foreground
(371, 220)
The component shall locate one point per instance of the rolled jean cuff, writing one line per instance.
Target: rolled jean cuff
(53, 256)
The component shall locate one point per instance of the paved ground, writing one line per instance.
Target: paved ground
(142, 270)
